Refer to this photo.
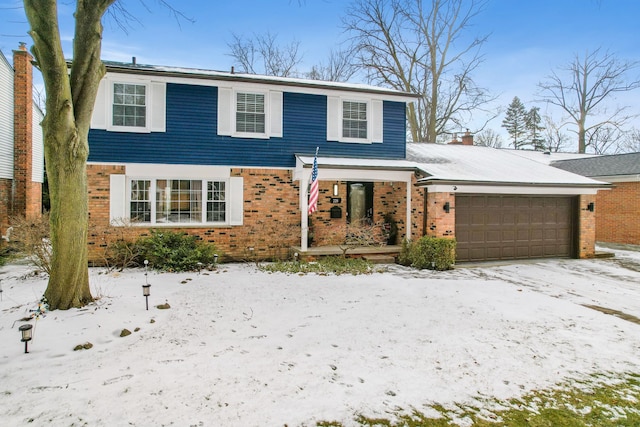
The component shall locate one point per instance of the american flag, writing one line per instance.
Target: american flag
(313, 192)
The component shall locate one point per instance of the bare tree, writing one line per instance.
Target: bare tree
(338, 68)
(407, 46)
(604, 139)
(582, 92)
(71, 93)
(555, 140)
(631, 142)
(263, 49)
(488, 138)
(69, 105)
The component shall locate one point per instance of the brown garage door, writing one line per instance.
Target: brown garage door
(493, 227)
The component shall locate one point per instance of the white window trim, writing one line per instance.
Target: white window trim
(120, 193)
(367, 104)
(152, 200)
(148, 98)
(335, 106)
(227, 96)
(234, 112)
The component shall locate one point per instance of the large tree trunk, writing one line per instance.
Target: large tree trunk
(69, 105)
(69, 281)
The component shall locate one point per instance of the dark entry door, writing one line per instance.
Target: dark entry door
(360, 202)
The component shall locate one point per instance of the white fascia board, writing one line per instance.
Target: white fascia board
(526, 190)
(262, 87)
(618, 178)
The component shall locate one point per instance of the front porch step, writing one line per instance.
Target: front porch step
(380, 259)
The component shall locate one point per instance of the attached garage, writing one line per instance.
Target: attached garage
(502, 227)
(502, 206)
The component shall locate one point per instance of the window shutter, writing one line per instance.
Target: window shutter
(99, 117)
(376, 121)
(225, 108)
(236, 192)
(333, 118)
(158, 107)
(275, 108)
(117, 199)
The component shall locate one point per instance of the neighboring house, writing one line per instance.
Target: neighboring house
(21, 141)
(228, 157)
(618, 210)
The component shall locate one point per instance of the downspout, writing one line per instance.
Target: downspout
(424, 212)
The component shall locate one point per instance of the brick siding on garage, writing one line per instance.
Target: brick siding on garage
(618, 214)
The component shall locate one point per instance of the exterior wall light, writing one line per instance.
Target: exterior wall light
(591, 207)
(27, 334)
(447, 207)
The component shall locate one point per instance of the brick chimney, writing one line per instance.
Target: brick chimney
(27, 200)
(467, 138)
(454, 140)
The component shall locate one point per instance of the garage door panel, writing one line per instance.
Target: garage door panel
(513, 227)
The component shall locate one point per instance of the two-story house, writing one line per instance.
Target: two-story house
(228, 156)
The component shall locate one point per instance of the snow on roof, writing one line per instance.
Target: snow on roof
(547, 157)
(256, 78)
(487, 165)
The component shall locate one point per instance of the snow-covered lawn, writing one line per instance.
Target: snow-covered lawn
(240, 347)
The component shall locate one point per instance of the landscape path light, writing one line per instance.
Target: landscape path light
(146, 288)
(26, 331)
(215, 259)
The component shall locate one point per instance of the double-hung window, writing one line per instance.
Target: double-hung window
(354, 120)
(129, 105)
(250, 113)
(140, 205)
(179, 201)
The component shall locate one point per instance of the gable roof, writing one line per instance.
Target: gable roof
(196, 73)
(609, 166)
(487, 166)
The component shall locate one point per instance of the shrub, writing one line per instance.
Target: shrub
(428, 252)
(173, 251)
(31, 236)
(124, 254)
(404, 257)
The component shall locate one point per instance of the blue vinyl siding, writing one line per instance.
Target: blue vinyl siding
(191, 135)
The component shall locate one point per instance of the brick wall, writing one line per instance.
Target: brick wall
(28, 194)
(618, 214)
(587, 227)
(439, 222)
(271, 216)
(388, 197)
